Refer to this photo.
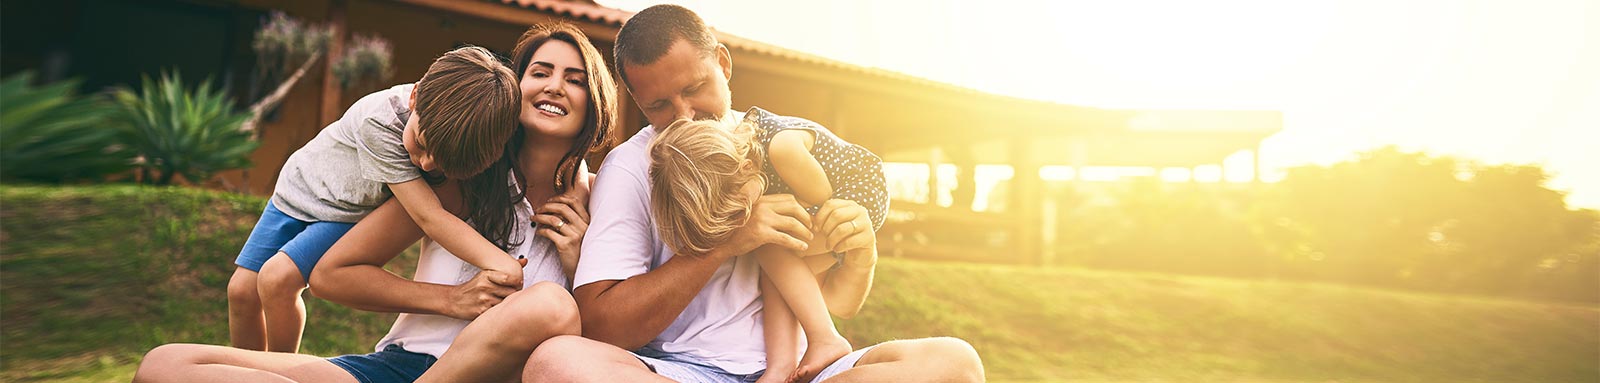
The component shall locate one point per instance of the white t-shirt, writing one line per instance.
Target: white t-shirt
(432, 334)
(721, 327)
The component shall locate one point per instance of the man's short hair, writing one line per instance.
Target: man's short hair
(647, 36)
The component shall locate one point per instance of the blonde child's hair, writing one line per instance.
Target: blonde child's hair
(467, 106)
(698, 170)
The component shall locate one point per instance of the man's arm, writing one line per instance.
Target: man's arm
(628, 313)
(848, 229)
(352, 273)
(451, 232)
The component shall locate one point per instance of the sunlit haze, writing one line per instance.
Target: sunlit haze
(1493, 81)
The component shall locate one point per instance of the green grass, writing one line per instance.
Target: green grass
(94, 276)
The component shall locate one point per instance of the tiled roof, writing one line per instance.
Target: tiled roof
(580, 9)
(590, 11)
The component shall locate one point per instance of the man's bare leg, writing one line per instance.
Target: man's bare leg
(570, 358)
(916, 360)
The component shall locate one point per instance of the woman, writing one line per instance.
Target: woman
(459, 324)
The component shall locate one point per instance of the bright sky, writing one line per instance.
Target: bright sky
(1499, 81)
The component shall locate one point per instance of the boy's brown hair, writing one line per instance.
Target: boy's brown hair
(698, 170)
(467, 106)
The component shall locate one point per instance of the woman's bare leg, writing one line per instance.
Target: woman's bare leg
(180, 362)
(495, 347)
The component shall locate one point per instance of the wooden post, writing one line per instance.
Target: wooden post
(332, 94)
(1026, 197)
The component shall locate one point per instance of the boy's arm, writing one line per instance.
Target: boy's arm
(780, 331)
(352, 273)
(790, 153)
(451, 232)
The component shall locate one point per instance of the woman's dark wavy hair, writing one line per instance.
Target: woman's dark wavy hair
(490, 196)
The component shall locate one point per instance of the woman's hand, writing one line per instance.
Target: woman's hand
(564, 219)
(844, 225)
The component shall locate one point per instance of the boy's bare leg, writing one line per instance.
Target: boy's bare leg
(280, 285)
(246, 327)
(799, 288)
(207, 363)
(496, 346)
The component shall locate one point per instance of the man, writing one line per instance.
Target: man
(696, 318)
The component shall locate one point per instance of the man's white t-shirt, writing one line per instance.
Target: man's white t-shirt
(721, 327)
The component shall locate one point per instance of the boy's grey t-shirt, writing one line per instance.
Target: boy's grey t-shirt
(342, 174)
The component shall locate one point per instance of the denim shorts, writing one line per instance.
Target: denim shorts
(392, 365)
(681, 370)
(304, 242)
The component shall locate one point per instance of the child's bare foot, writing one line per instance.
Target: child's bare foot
(820, 353)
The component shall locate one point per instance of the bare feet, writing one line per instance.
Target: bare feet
(820, 353)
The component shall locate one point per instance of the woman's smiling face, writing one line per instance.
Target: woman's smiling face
(555, 91)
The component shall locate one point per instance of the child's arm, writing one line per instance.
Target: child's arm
(790, 153)
(780, 327)
(451, 232)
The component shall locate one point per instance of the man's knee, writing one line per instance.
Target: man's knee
(953, 358)
(559, 359)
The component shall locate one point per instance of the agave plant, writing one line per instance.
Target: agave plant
(176, 132)
(49, 134)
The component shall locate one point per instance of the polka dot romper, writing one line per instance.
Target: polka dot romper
(855, 173)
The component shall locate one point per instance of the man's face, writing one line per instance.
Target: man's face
(683, 84)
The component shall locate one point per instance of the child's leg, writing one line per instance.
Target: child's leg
(246, 328)
(280, 285)
(779, 329)
(246, 324)
(800, 290)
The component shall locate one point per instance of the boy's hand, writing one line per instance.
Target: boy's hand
(507, 271)
(845, 225)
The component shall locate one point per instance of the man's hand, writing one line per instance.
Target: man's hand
(774, 219)
(844, 225)
(477, 295)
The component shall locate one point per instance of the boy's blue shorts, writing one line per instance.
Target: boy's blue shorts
(304, 242)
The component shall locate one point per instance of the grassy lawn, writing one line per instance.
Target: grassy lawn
(94, 276)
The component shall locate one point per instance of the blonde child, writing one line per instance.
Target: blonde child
(705, 176)
(452, 124)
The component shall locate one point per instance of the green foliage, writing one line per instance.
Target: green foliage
(178, 132)
(366, 62)
(48, 134)
(96, 276)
